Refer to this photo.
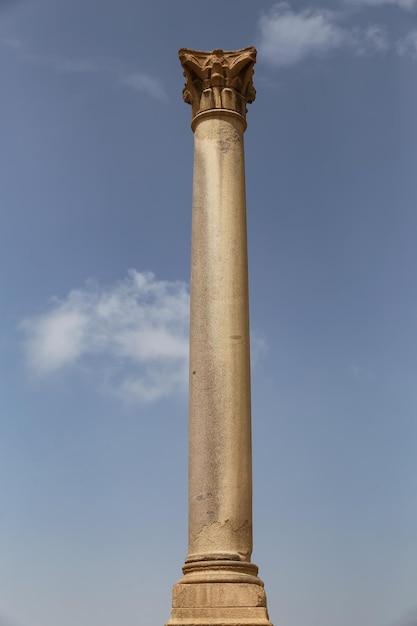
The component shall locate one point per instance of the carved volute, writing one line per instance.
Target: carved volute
(218, 79)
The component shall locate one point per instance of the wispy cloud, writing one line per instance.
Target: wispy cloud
(289, 36)
(115, 71)
(402, 4)
(132, 335)
(10, 42)
(409, 619)
(140, 81)
(67, 65)
(408, 45)
(369, 40)
(361, 374)
(258, 347)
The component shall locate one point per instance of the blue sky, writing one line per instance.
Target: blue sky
(96, 174)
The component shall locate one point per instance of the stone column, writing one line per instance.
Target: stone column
(220, 584)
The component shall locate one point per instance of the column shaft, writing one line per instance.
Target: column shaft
(220, 480)
(220, 586)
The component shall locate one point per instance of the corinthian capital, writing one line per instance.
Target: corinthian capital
(218, 79)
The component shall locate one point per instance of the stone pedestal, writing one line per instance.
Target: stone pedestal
(220, 584)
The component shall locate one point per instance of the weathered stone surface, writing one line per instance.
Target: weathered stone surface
(219, 79)
(219, 594)
(220, 468)
(220, 584)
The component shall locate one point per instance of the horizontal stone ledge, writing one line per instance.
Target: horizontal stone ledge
(219, 595)
(219, 617)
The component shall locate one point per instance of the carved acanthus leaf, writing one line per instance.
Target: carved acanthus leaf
(218, 79)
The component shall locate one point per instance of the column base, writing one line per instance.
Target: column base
(219, 594)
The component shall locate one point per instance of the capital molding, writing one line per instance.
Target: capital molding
(218, 79)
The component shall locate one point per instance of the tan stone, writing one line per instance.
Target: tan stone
(218, 79)
(219, 595)
(220, 584)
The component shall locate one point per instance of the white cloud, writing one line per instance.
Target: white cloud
(132, 336)
(408, 45)
(138, 329)
(57, 338)
(144, 83)
(288, 36)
